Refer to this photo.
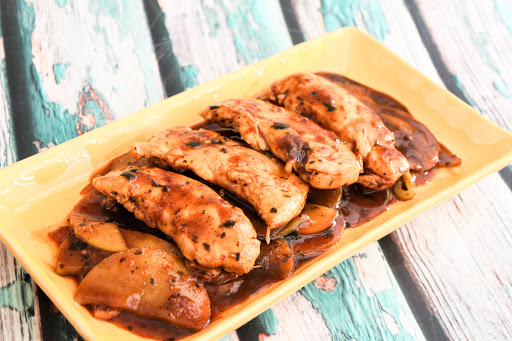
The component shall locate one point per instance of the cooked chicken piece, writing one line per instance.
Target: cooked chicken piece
(334, 108)
(315, 154)
(148, 282)
(276, 195)
(207, 229)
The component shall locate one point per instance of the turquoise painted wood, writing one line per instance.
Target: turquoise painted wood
(76, 65)
(233, 34)
(19, 313)
(79, 65)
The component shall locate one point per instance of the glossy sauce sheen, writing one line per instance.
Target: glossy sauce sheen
(356, 207)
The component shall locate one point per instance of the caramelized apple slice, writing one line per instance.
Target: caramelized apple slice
(86, 220)
(76, 257)
(151, 283)
(313, 219)
(136, 239)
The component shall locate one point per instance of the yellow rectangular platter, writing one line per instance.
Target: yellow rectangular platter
(37, 193)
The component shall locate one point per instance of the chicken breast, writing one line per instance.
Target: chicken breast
(334, 108)
(208, 230)
(276, 195)
(316, 154)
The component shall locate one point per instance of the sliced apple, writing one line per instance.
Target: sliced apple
(150, 283)
(87, 222)
(76, 257)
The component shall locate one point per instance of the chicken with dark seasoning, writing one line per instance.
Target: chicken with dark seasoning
(208, 230)
(316, 154)
(336, 109)
(276, 195)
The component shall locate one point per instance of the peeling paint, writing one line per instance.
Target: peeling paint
(93, 111)
(350, 313)
(339, 14)
(125, 16)
(188, 76)
(481, 44)
(248, 42)
(325, 283)
(61, 3)
(59, 71)
(211, 18)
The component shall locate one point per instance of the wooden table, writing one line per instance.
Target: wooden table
(67, 67)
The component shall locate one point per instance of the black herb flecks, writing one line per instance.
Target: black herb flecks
(346, 224)
(152, 281)
(273, 210)
(206, 246)
(137, 253)
(213, 107)
(229, 223)
(113, 193)
(237, 256)
(133, 199)
(194, 144)
(128, 175)
(194, 238)
(329, 106)
(134, 170)
(223, 235)
(223, 150)
(215, 141)
(279, 125)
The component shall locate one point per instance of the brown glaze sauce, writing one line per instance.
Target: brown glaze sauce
(355, 206)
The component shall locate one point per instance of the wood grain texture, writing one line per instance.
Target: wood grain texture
(210, 38)
(19, 312)
(79, 65)
(74, 66)
(460, 256)
(474, 39)
(445, 251)
(387, 21)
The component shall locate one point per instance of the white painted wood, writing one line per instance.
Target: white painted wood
(459, 252)
(400, 33)
(91, 50)
(211, 38)
(298, 320)
(14, 324)
(475, 42)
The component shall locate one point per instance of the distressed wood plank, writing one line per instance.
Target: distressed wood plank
(210, 38)
(459, 254)
(474, 39)
(477, 55)
(19, 311)
(443, 248)
(74, 66)
(80, 65)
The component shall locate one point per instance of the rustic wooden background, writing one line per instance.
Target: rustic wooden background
(67, 67)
